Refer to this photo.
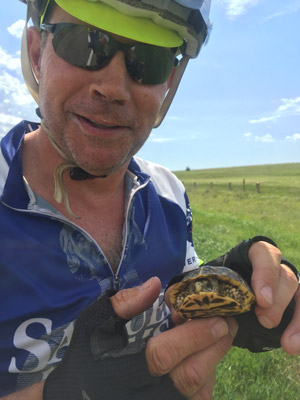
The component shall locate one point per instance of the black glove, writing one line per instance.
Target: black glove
(251, 334)
(100, 365)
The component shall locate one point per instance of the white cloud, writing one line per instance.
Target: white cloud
(289, 106)
(8, 61)
(173, 117)
(15, 102)
(268, 138)
(294, 138)
(236, 8)
(14, 91)
(265, 139)
(8, 119)
(161, 140)
(16, 29)
(263, 119)
(287, 9)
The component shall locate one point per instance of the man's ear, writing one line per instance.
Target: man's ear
(34, 50)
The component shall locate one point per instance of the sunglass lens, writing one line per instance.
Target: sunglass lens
(70, 42)
(79, 46)
(148, 64)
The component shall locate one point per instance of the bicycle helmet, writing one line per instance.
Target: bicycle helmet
(168, 23)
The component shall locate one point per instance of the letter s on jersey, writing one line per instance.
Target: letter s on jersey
(39, 348)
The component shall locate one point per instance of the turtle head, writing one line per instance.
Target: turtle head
(204, 285)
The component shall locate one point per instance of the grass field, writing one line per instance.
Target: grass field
(222, 218)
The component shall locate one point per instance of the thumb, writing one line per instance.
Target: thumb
(130, 302)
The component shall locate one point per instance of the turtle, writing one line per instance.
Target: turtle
(211, 291)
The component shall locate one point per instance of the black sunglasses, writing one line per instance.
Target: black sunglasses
(92, 49)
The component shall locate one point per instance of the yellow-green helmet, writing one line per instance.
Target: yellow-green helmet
(167, 23)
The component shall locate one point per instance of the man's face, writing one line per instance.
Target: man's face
(100, 119)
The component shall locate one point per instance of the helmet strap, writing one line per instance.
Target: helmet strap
(176, 78)
(76, 173)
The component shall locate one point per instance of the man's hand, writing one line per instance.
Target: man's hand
(189, 352)
(274, 285)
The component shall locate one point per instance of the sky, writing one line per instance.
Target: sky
(238, 102)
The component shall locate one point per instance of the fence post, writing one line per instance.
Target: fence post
(230, 186)
(244, 185)
(258, 187)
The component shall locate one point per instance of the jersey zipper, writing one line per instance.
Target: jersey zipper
(117, 284)
(136, 187)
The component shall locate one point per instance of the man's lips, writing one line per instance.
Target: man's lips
(99, 124)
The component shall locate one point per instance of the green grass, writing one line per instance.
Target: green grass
(222, 218)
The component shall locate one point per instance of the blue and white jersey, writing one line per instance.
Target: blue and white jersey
(51, 269)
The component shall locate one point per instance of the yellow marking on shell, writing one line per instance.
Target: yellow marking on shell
(212, 294)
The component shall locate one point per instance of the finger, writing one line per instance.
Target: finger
(207, 390)
(191, 376)
(290, 340)
(130, 302)
(287, 286)
(168, 349)
(265, 260)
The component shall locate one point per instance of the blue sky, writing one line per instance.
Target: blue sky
(238, 103)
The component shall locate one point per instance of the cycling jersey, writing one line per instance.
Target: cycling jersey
(51, 269)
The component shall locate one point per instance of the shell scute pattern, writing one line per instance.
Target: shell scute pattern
(211, 291)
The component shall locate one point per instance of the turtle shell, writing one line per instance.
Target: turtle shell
(211, 291)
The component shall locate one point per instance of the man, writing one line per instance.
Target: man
(107, 221)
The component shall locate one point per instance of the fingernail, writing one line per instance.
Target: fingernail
(267, 294)
(219, 328)
(294, 342)
(265, 321)
(147, 284)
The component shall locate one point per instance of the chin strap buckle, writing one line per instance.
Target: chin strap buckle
(78, 174)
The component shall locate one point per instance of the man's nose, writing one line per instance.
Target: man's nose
(112, 82)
